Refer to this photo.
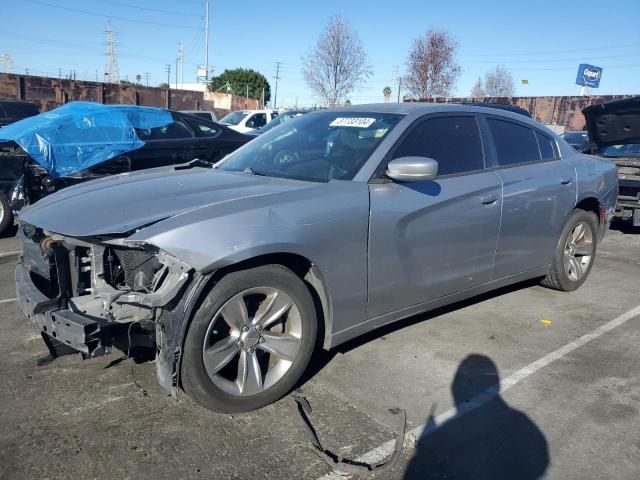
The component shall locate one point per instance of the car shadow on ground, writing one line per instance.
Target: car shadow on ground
(322, 357)
(485, 439)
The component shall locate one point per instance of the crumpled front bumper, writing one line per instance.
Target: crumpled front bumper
(63, 327)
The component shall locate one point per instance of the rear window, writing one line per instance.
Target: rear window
(205, 115)
(546, 146)
(514, 143)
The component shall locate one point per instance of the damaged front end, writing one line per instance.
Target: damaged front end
(85, 293)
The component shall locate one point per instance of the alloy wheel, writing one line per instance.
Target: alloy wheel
(252, 341)
(578, 251)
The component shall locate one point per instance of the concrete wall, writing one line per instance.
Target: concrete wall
(231, 102)
(563, 111)
(49, 93)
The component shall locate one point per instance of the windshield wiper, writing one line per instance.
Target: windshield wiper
(254, 172)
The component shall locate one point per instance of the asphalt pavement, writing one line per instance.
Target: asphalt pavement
(567, 404)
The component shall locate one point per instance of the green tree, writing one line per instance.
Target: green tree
(240, 80)
(164, 85)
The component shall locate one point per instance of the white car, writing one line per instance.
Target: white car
(244, 121)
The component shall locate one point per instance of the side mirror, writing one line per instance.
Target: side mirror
(412, 169)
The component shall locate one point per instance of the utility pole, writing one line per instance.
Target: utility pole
(206, 40)
(146, 77)
(181, 57)
(277, 77)
(112, 55)
(168, 69)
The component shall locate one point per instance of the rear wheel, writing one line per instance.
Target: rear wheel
(575, 252)
(250, 340)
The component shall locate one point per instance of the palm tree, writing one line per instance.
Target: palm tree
(138, 78)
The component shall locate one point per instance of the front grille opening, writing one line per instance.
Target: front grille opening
(131, 269)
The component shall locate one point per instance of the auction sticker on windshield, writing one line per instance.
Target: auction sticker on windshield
(359, 122)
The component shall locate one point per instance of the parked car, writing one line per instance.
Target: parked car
(280, 119)
(14, 110)
(245, 121)
(241, 270)
(57, 149)
(578, 140)
(206, 114)
(614, 129)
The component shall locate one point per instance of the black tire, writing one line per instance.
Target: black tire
(557, 278)
(7, 214)
(195, 380)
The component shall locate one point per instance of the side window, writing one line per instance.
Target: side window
(514, 143)
(206, 130)
(546, 146)
(258, 120)
(454, 142)
(175, 130)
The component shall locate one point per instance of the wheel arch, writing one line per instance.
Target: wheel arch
(301, 266)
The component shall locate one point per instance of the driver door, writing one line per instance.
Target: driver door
(434, 238)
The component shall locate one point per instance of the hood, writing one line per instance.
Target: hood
(121, 203)
(614, 123)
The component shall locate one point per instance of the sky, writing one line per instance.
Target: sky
(542, 42)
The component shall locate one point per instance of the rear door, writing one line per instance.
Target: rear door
(167, 145)
(433, 238)
(214, 141)
(539, 192)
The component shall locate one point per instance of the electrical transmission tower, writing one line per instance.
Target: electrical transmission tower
(111, 68)
(7, 62)
(276, 77)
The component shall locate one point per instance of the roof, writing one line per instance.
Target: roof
(422, 108)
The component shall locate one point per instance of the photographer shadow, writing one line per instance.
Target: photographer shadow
(485, 438)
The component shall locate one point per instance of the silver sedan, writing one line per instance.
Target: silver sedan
(322, 229)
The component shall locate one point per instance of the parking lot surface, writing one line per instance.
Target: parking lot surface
(573, 414)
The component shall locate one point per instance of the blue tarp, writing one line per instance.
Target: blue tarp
(79, 135)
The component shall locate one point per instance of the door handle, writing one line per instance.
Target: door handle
(489, 199)
(565, 181)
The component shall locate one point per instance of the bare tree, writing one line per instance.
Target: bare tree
(499, 83)
(477, 91)
(432, 69)
(337, 65)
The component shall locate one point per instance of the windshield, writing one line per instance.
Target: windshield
(317, 147)
(234, 118)
(628, 150)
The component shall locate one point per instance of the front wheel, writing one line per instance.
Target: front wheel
(575, 252)
(250, 340)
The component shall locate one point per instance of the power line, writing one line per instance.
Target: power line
(103, 15)
(85, 47)
(626, 55)
(149, 9)
(551, 52)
